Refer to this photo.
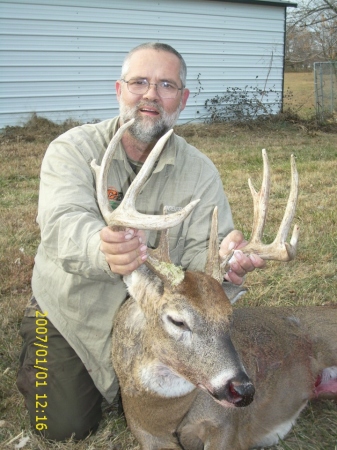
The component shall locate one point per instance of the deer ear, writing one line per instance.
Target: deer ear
(143, 283)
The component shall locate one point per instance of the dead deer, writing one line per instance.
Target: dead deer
(196, 373)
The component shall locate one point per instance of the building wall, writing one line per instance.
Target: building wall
(60, 59)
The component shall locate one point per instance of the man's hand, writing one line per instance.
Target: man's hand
(124, 250)
(240, 264)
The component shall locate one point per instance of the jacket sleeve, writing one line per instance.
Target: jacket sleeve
(68, 214)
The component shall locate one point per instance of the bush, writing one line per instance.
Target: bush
(242, 104)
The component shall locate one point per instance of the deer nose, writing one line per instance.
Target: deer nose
(240, 394)
(238, 391)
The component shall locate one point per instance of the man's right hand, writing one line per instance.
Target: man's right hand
(124, 250)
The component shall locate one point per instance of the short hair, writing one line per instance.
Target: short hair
(156, 46)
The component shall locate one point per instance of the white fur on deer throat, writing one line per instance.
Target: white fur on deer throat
(159, 378)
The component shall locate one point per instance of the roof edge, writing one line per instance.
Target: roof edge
(285, 4)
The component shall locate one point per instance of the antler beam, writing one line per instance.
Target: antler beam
(126, 215)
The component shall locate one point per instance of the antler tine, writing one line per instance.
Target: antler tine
(126, 216)
(102, 171)
(260, 201)
(152, 222)
(279, 249)
(289, 215)
(159, 261)
(213, 267)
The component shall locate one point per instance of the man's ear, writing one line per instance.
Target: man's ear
(186, 94)
(118, 86)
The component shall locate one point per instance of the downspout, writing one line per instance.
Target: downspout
(284, 51)
(284, 56)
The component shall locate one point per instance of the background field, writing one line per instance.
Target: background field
(299, 93)
(236, 151)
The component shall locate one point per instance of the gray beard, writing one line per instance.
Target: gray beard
(145, 129)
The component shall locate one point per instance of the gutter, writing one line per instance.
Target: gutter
(284, 4)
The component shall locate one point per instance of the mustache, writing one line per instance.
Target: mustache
(150, 105)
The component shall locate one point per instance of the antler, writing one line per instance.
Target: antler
(126, 215)
(213, 262)
(279, 250)
(159, 261)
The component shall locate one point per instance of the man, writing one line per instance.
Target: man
(77, 280)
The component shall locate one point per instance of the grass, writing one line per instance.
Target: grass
(300, 93)
(236, 151)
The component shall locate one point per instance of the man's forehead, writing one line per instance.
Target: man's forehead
(152, 57)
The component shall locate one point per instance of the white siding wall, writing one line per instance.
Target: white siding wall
(61, 58)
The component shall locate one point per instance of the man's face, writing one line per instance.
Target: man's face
(154, 115)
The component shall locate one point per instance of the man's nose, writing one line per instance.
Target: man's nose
(152, 92)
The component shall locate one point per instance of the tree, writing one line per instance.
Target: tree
(314, 12)
(299, 52)
(325, 33)
(311, 33)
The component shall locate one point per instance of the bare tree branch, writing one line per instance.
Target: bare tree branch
(312, 33)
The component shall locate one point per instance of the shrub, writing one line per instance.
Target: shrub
(242, 104)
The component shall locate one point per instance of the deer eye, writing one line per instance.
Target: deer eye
(179, 324)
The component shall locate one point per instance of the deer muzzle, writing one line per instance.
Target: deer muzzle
(238, 391)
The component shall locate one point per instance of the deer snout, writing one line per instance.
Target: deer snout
(238, 391)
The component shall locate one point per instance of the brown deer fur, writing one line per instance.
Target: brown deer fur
(285, 351)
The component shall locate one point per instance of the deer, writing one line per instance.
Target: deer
(195, 372)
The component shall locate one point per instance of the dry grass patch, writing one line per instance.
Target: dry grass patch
(300, 93)
(236, 151)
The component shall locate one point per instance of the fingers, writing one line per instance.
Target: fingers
(233, 240)
(124, 250)
(240, 263)
(234, 278)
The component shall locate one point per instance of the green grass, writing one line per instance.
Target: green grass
(236, 151)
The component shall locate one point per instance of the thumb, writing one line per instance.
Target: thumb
(234, 240)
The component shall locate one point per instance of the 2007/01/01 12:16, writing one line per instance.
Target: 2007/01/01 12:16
(42, 371)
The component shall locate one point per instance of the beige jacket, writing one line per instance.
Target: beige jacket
(71, 280)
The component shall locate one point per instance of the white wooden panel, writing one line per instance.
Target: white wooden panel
(61, 58)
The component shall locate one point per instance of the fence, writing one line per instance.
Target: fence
(325, 88)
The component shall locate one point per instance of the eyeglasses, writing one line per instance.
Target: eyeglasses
(140, 86)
